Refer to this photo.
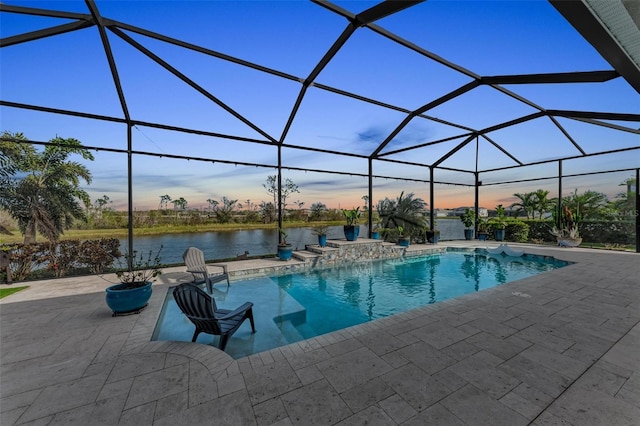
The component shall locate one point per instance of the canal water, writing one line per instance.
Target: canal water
(228, 244)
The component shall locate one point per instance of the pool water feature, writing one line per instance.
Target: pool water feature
(294, 307)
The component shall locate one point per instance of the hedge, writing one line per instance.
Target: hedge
(55, 260)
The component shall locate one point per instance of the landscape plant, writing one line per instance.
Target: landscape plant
(41, 189)
(351, 215)
(406, 211)
(143, 267)
(468, 218)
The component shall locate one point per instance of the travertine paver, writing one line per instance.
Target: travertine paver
(559, 348)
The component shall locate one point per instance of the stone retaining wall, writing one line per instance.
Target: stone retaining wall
(337, 253)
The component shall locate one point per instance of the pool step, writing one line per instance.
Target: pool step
(305, 255)
(316, 249)
(289, 332)
(293, 332)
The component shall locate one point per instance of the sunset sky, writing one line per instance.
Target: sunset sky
(70, 72)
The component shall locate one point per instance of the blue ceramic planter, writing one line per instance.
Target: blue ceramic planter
(322, 240)
(351, 232)
(126, 301)
(433, 236)
(285, 252)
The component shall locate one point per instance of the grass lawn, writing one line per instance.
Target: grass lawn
(4, 292)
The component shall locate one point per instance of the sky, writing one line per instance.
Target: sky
(69, 71)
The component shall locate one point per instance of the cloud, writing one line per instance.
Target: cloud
(373, 135)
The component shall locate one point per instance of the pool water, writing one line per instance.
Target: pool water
(293, 307)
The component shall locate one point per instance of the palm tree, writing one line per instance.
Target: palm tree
(590, 204)
(405, 211)
(46, 197)
(541, 203)
(526, 204)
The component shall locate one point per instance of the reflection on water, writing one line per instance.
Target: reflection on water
(227, 244)
(343, 296)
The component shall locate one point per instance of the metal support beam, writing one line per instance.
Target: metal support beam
(559, 209)
(637, 212)
(383, 9)
(47, 32)
(370, 196)
(476, 195)
(279, 203)
(130, 196)
(476, 206)
(565, 77)
(432, 220)
(110, 59)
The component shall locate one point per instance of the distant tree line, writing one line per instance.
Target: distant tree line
(42, 191)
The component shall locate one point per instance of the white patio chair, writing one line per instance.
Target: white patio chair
(194, 260)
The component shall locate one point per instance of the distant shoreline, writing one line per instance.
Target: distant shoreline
(87, 234)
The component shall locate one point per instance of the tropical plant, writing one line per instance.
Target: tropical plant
(320, 230)
(468, 218)
(624, 203)
(589, 204)
(283, 237)
(526, 204)
(41, 189)
(483, 224)
(541, 203)
(406, 211)
(143, 267)
(498, 222)
(352, 215)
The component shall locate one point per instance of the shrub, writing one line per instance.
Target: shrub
(24, 259)
(62, 256)
(98, 255)
(517, 231)
(47, 259)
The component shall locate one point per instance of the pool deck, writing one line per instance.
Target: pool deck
(561, 348)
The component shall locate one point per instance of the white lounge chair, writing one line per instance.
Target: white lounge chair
(194, 260)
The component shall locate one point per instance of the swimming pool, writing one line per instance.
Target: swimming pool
(293, 307)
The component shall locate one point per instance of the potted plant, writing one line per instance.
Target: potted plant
(285, 251)
(375, 232)
(468, 219)
(403, 240)
(483, 229)
(351, 229)
(134, 290)
(321, 232)
(568, 235)
(498, 223)
(433, 235)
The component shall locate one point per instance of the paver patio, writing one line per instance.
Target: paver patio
(558, 348)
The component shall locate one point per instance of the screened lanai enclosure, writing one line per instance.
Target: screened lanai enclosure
(463, 104)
